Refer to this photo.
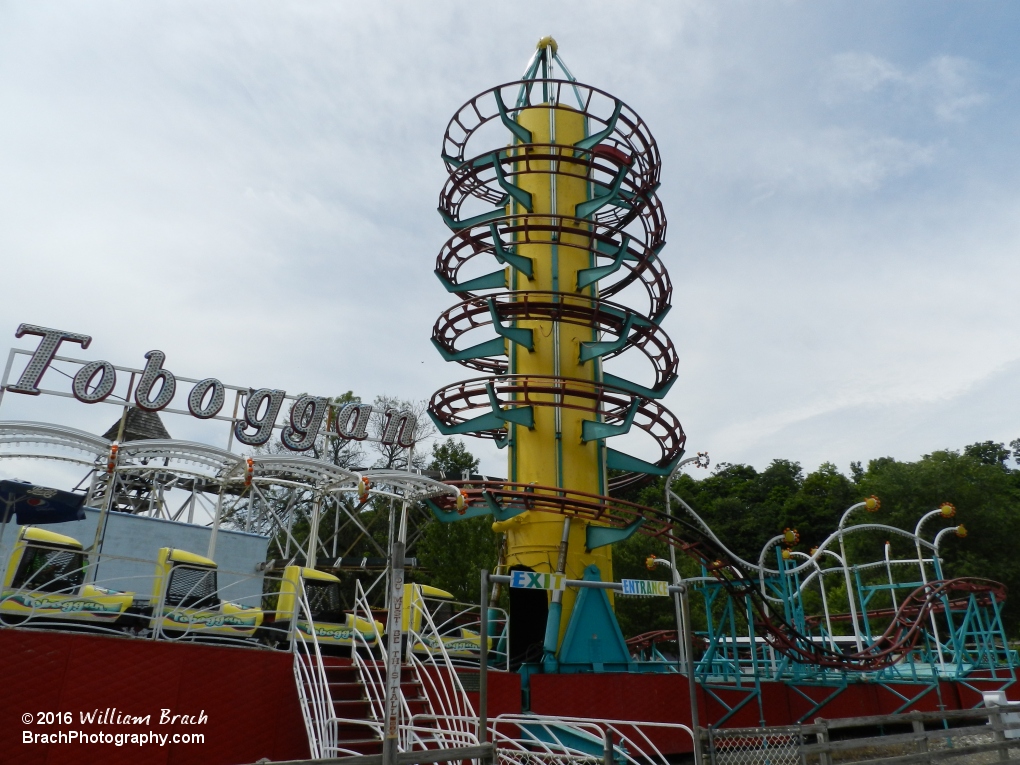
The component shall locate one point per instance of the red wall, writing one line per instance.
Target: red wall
(665, 698)
(504, 691)
(252, 707)
(249, 696)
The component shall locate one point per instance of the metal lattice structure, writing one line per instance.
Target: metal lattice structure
(267, 493)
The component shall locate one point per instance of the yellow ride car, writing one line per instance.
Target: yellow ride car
(458, 641)
(333, 628)
(45, 581)
(185, 599)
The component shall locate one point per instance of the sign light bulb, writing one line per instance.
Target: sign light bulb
(111, 462)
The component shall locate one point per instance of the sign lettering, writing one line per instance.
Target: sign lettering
(651, 587)
(532, 580)
(156, 387)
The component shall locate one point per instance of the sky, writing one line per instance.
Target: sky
(251, 188)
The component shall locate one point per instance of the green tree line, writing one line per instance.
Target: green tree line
(746, 507)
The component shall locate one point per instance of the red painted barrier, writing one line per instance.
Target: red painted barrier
(243, 702)
(664, 698)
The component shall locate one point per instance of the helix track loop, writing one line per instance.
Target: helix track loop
(621, 257)
(612, 124)
(628, 329)
(616, 226)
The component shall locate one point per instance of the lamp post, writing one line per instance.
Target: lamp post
(686, 640)
(871, 504)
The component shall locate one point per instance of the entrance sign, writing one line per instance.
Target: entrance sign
(256, 410)
(531, 580)
(645, 587)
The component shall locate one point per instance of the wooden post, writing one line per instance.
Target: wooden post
(920, 739)
(822, 737)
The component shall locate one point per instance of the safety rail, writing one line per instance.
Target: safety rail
(437, 672)
(313, 687)
(532, 739)
(372, 672)
(456, 626)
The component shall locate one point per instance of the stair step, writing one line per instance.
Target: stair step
(353, 709)
(343, 674)
(347, 691)
(353, 731)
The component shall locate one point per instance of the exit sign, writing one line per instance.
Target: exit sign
(530, 580)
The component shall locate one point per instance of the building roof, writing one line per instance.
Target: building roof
(138, 425)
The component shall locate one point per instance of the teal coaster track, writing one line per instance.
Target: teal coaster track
(770, 604)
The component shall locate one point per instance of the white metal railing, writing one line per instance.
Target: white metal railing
(457, 626)
(524, 739)
(456, 724)
(371, 670)
(313, 685)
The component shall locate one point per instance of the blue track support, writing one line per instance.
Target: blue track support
(592, 206)
(588, 276)
(600, 536)
(521, 415)
(494, 347)
(495, 280)
(593, 430)
(594, 350)
(522, 337)
(520, 132)
(638, 390)
(456, 225)
(504, 254)
(616, 460)
(522, 197)
(593, 641)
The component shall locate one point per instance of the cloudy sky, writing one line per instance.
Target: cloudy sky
(251, 188)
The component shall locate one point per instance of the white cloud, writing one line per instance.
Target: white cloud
(845, 160)
(945, 86)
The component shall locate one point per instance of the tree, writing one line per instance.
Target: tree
(986, 494)
(393, 456)
(452, 458)
(453, 554)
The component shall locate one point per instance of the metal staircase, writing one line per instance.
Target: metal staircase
(343, 699)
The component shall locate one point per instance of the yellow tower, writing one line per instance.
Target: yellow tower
(568, 209)
(552, 452)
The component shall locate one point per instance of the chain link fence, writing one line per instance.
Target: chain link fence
(754, 746)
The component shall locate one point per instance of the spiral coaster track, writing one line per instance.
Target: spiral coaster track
(615, 229)
(548, 233)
